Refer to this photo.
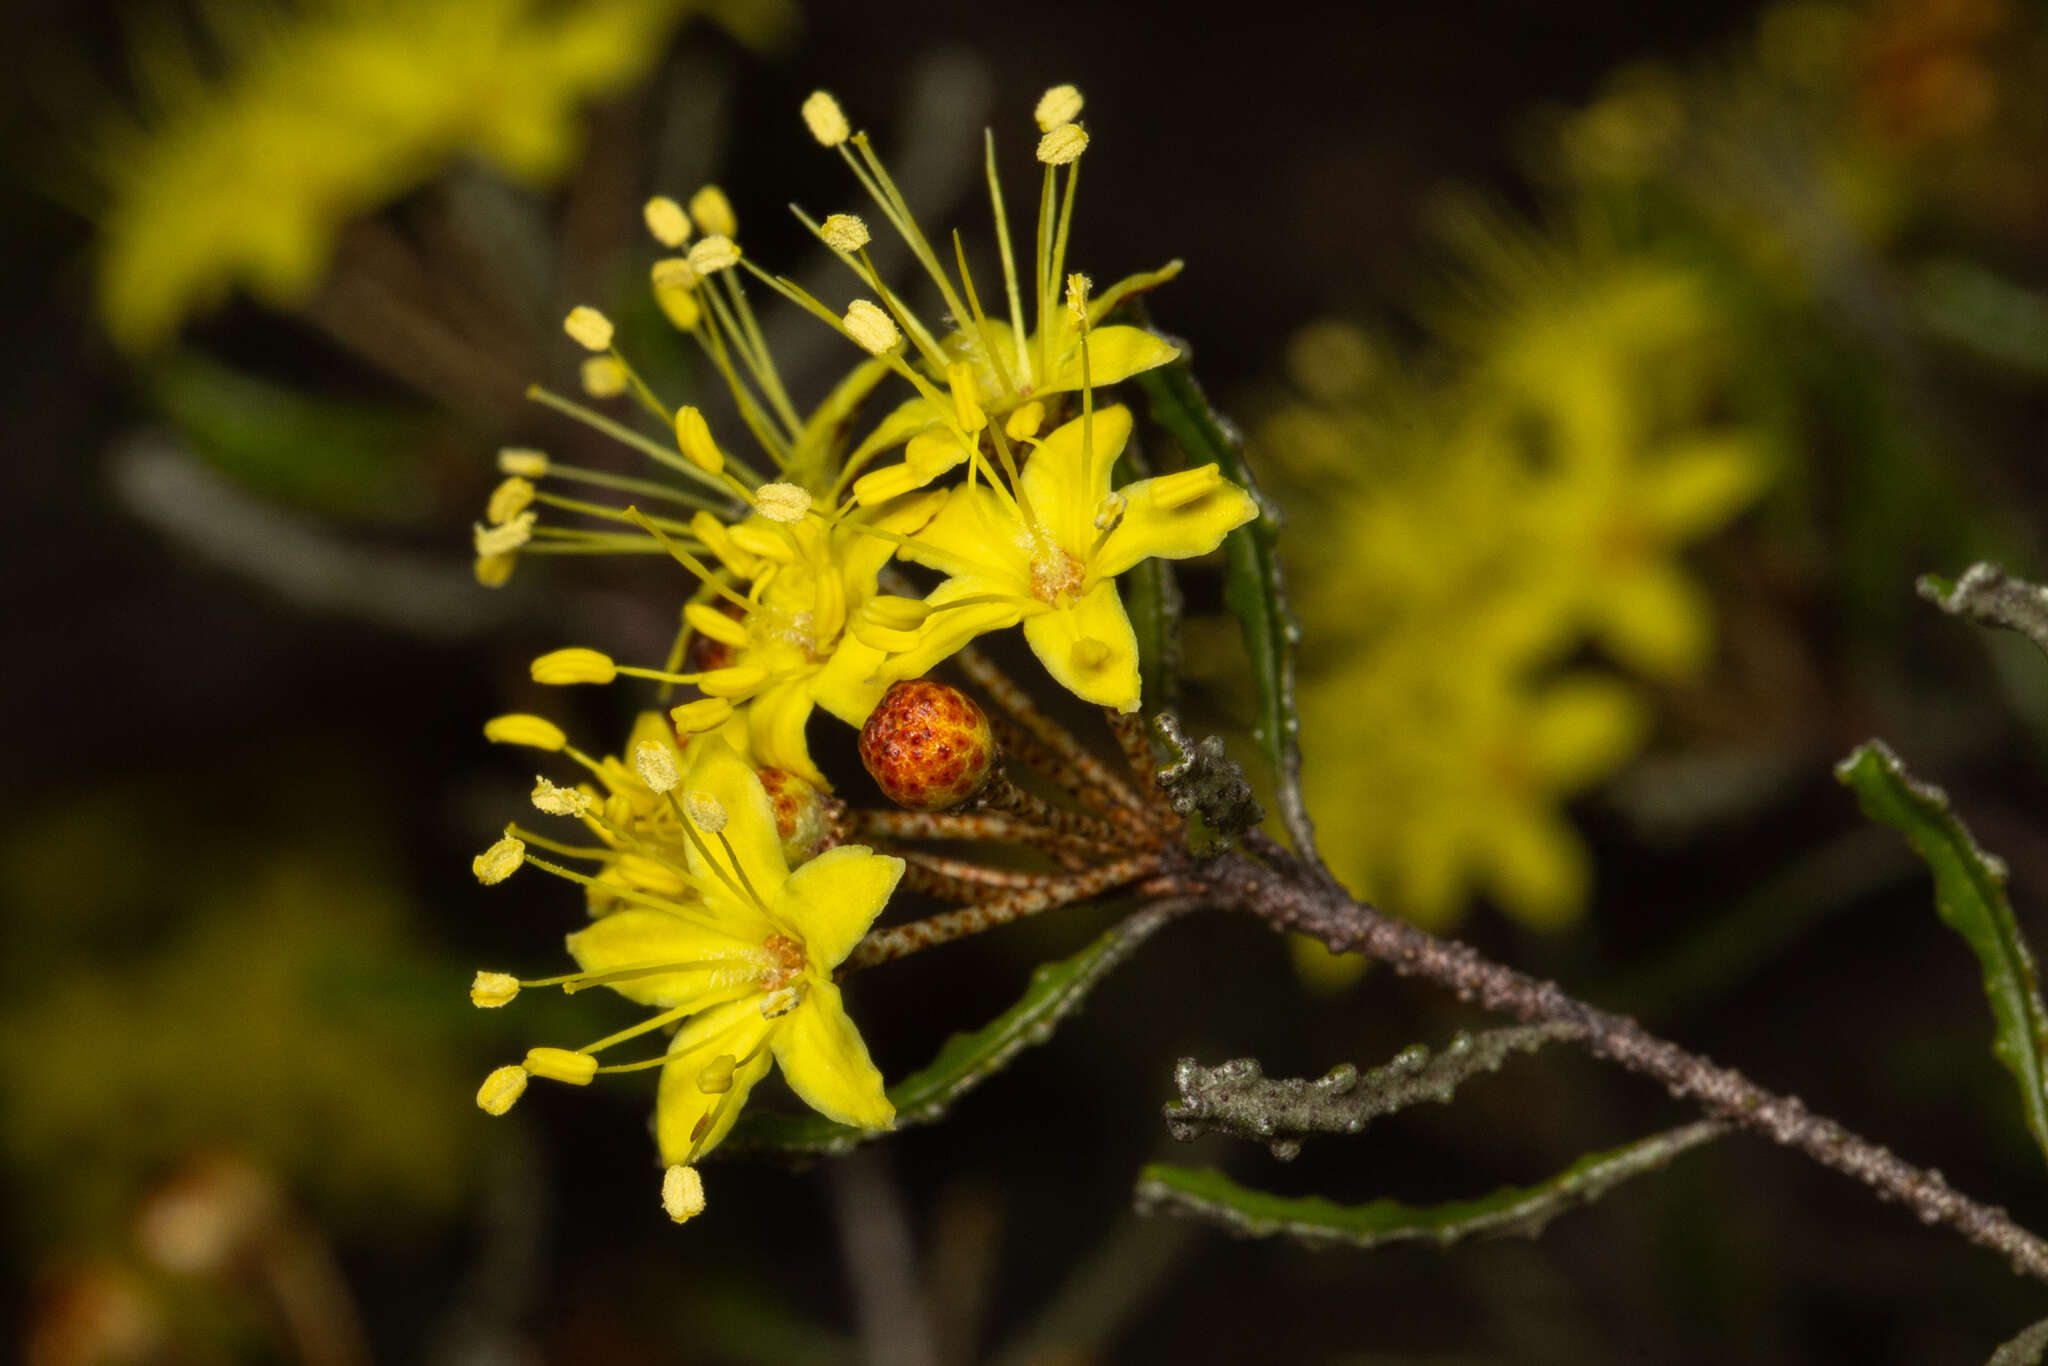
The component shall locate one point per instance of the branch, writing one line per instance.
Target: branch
(1237, 1098)
(1349, 926)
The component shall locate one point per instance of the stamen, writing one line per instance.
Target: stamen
(715, 1079)
(560, 668)
(682, 1193)
(705, 714)
(693, 438)
(508, 500)
(1024, 422)
(588, 328)
(713, 212)
(732, 684)
(498, 862)
(603, 377)
(552, 799)
(1172, 491)
(561, 1064)
(1061, 145)
(599, 421)
(501, 1089)
(674, 284)
(656, 764)
(871, 327)
(1025, 380)
(714, 254)
(528, 464)
(844, 232)
(503, 540)
(686, 559)
(667, 221)
(1061, 104)
(826, 120)
(709, 621)
(523, 728)
(705, 810)
(785, 503)
(493, 989)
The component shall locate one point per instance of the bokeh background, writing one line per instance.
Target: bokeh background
(1620, 367)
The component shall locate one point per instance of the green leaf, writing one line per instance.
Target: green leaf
(1969, 893)
(1254, 591)
(345, 459)
(965, 1060)
(1522, 1210)
(1152, 600)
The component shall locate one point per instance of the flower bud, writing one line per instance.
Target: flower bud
(928, 746)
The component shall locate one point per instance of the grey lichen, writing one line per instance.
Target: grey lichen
(1237, 1097)
(1204, 781)
(1988, 595)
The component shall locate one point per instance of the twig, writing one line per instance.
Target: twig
(1349, 926)
(1094, 774)
(897, 941)
(987, 827)
(959, 880)
(1005, 796)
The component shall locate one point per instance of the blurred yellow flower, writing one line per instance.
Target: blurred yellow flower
(328, 110)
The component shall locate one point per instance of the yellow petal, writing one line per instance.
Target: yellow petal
(1149, 531)
(1696, 488)
(851, 683)
(975, 533)
(827, 1065)
(776, 720)
(638, 937)
(1114, 354)
(1581, 729)
(718, 773)
(1655, 620)
(830, 901)
(1064, 488)
(736, 1031)
(1089, 648)
(945, 632)
(1535, 867)
(910, 418)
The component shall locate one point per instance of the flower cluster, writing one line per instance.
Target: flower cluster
(1494, 528)
(996, 472)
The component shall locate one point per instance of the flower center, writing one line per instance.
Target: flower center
(785, 962)
(1055, 575)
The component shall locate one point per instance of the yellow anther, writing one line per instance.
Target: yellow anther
(705, 812)
(523, 728)
(897, 614)
(493, 989)
(966, 397)
(527, 464)
(782, 502)
(498, 862)
(508, 500)
(674, 272)
(495, 571)
(693, 439)
(1024, 422)
(1061, 104)
(826, 120)
(589, 328)
(716, 1077)
(603, 377)
(870, 326)
(717, 538)
(709, 621)
(714, 254)
(844, 232)
(679, 306)
(618, 809)
(656, 764)
(561, 1064)
(713, 212)
(736, 682)
(682, 1193)
(560, 668)
(1078, 286)
(932, 453)
(1062, 144)
(551, 798)
(1172, 491)
(501, 1089)
(1109, 513)
(694, 718)
(1090, 653)
(763, 543)
(891, 481)
(505, 538)
(667, 221)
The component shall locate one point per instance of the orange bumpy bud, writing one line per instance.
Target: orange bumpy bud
(928, 746)
(801, 820)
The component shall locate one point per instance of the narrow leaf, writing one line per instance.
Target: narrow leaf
(1254, 591)
(2024, 1350)
(965, 1061)
(1989, 596)
(1969, 894)
(1311, 1219)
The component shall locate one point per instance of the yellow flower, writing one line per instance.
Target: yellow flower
(739, 960)
(1431, 778)
(1048, 552)
(327, 111)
